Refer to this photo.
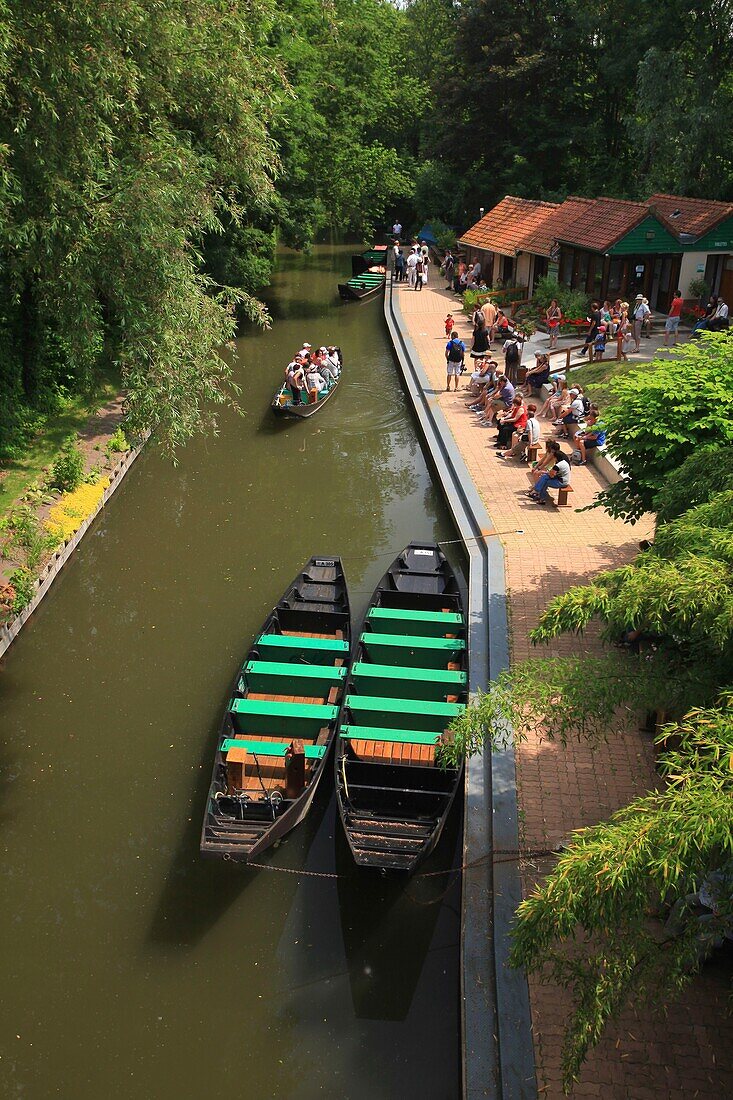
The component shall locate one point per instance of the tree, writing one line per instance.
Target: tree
(661, 414)
(708, 470)
(588, 925)
(129, 133)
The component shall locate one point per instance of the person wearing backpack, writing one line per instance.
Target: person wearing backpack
(419, 272)
(455, 351)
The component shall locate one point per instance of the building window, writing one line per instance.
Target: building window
(566, 266)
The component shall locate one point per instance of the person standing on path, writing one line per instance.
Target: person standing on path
(397, 228)
(641, 312)
(673, 319)
(411, 267)
(553, 316)
(448, 266)
(419, 272)
(594, 321)
(455, 351)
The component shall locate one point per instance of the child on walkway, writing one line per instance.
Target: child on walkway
(449, 324)
(599, 344)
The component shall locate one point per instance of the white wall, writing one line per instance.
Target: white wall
(524, 260)
(690, 263)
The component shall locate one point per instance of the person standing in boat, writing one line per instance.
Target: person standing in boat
(295, 377)
(334, 362)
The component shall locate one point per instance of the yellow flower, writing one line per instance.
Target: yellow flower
(70, 511)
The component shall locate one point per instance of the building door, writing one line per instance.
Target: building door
(726, 281)
(665, 281)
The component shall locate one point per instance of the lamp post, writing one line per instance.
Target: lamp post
(481, 211)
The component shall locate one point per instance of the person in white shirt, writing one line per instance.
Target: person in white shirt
(397, 228)
(333, 361)
(412, 267)
(314, 384)
(719, 319)
(639, 316)
(573, 416)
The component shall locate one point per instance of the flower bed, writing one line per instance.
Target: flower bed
(69, 512)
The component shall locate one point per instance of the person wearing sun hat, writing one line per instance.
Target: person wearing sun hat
(640, 312)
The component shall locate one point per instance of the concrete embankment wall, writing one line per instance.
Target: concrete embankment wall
(498, 1055)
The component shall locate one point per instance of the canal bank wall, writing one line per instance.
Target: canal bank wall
(10, 631)
(497, 1046)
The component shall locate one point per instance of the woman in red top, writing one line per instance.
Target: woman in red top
(515, 420)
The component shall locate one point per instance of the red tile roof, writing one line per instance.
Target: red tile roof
(694, 216)
(555, 225)
(603, 222)
(507, 227)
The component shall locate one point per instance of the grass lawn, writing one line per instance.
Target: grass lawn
(20, 472)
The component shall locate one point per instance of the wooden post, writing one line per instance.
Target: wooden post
(295, 769)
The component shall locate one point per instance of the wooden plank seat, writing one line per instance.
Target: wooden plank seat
(309, 634)
(562, 495)
(271, 675)
(278, 646)
(415, 683)
(435, 624)
(402, 713)
(270, 747)
(411, 649)
(381, 733)
(255, 715)
(392, 752)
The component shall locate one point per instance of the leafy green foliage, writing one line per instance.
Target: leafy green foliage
(67, 471)
(24, 539)
(24, 583)
(117, 443)
(662, 413)
(706, 471)
(615, 876)
(573, 303)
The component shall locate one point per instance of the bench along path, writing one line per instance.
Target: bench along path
(560, 789)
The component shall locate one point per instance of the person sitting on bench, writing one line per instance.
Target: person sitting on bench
(556, 478)
(593, 436)
(528, 437)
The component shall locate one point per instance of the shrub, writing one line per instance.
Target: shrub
(22, 538)
(67, 471)
(698, 288)
(117, 444)
(663, 413)
(24, 583)
(573, 303)
(706, 471)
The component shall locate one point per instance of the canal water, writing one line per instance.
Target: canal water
(129, 967)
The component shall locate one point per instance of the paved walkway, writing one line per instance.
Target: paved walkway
(560, 789)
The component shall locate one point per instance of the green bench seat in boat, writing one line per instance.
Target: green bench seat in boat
(401, 737)
(434, 624)
(276, 676)
(411, 649)
(419, 714)
(413, 683)
(277, 646)
(280, 719)
(270, 748)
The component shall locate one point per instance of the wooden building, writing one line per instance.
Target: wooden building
(608, 248)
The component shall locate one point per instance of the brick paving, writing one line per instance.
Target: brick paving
(686, 1052)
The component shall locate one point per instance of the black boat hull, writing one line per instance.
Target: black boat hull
(393, 796)
(241, 825)
(355, 294)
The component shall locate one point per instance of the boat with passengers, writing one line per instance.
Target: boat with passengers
(311, 379)
(280, 721)
(407, 682)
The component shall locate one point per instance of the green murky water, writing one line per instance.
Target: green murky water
(128, 966)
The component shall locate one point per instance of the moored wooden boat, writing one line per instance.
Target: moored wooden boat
(279, 724)
(284, 406)
(363, 286)
(407, 682)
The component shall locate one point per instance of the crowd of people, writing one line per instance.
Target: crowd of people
(310, 372)
(501, 402)
(412, 268)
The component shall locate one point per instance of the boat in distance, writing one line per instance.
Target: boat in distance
(367, 275)
(407, 682)
(283, 405)
(279, 724)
